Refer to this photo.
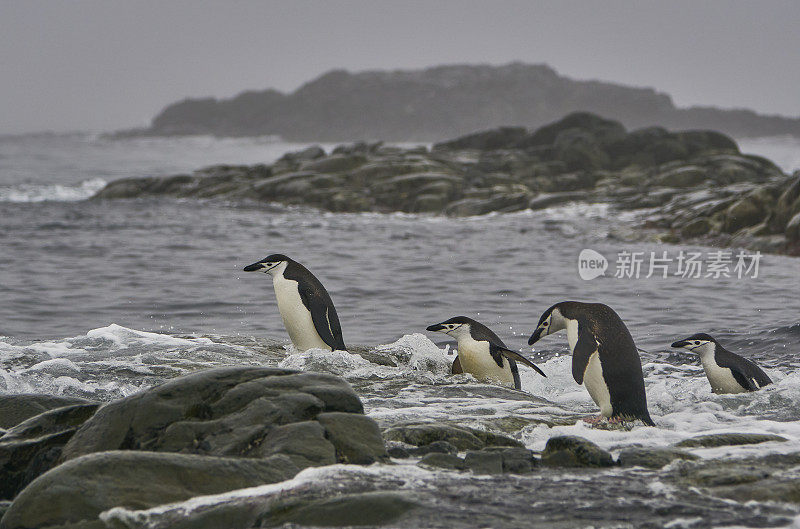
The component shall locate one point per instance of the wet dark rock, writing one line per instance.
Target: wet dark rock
(490, 140)
(441, 447)
(16, 408)
(793, 229)
(312, 418)
(652, 457)
(546, 200)
(766, 478)
(398, 450)
(515, 460)
(438, 460)
(82, 488)
(461, 437)
(484, 462)
(573, 451)
(728, 439)
(356, 438)
(32, 447)
(368, 508)
(696, 228)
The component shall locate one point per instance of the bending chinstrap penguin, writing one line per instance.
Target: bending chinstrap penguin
(727, 372)
(305, 306)
(604, 357)
(482, 353)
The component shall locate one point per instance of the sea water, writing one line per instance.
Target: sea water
(103, 299)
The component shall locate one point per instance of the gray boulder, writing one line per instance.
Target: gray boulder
(462, 437)
(484, 462)
(313, 418)
(652, 457)
(446, 461)
(33, 446)
(728, 439)
(573, 451)
(16, 408)
(80, 489)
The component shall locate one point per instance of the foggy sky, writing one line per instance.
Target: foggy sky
(105, 64)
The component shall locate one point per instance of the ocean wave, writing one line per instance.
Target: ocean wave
(54, 193)
(409, 381)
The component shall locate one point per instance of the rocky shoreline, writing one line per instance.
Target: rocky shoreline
(210, 432)
(687, 187)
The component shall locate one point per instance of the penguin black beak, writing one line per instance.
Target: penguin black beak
(679, 344)
(535, 336)
(436, 327)
(253, 267)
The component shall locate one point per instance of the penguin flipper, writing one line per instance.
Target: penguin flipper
(326, 322)
(457, 369)
(495, 349)
(584, 349)
(743, 380)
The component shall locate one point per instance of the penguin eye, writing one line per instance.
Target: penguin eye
(697, 342)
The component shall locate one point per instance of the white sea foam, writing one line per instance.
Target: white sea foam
(418, 352)
(336, 362)
(54, 192)
(108, 362)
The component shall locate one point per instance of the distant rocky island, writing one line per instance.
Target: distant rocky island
(443, 102)
(682, 186)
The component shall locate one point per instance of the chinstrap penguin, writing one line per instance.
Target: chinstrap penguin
(726, 371)
(305, 306)
(604, 357)
(482, 353)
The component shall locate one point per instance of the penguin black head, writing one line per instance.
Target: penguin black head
(453, 327)
(273, 263)
(697, 343)
(552, 320)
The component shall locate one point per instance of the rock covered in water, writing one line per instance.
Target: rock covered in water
(652, 457)
(82, 488)
(446, 461)
(573, 451)
(769, 478)
(34, 446)
(728, 439)
(313, 418)
(461, 437)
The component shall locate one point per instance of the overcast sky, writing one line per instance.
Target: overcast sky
(105, 64)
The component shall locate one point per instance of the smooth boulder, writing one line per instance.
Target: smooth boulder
(32, 447)
(80, 489)
(573, 451)
(16, 408)
(314, 418)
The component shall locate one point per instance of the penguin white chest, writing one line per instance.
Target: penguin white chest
(296, 317)
(720, 378)
(477, 361)
(596, 385)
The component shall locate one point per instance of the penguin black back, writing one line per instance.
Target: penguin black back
(601, 330)
(318, 302)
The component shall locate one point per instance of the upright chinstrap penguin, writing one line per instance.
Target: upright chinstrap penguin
(482, 353)
(305, 306)
(727, 372)
(604, 357)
